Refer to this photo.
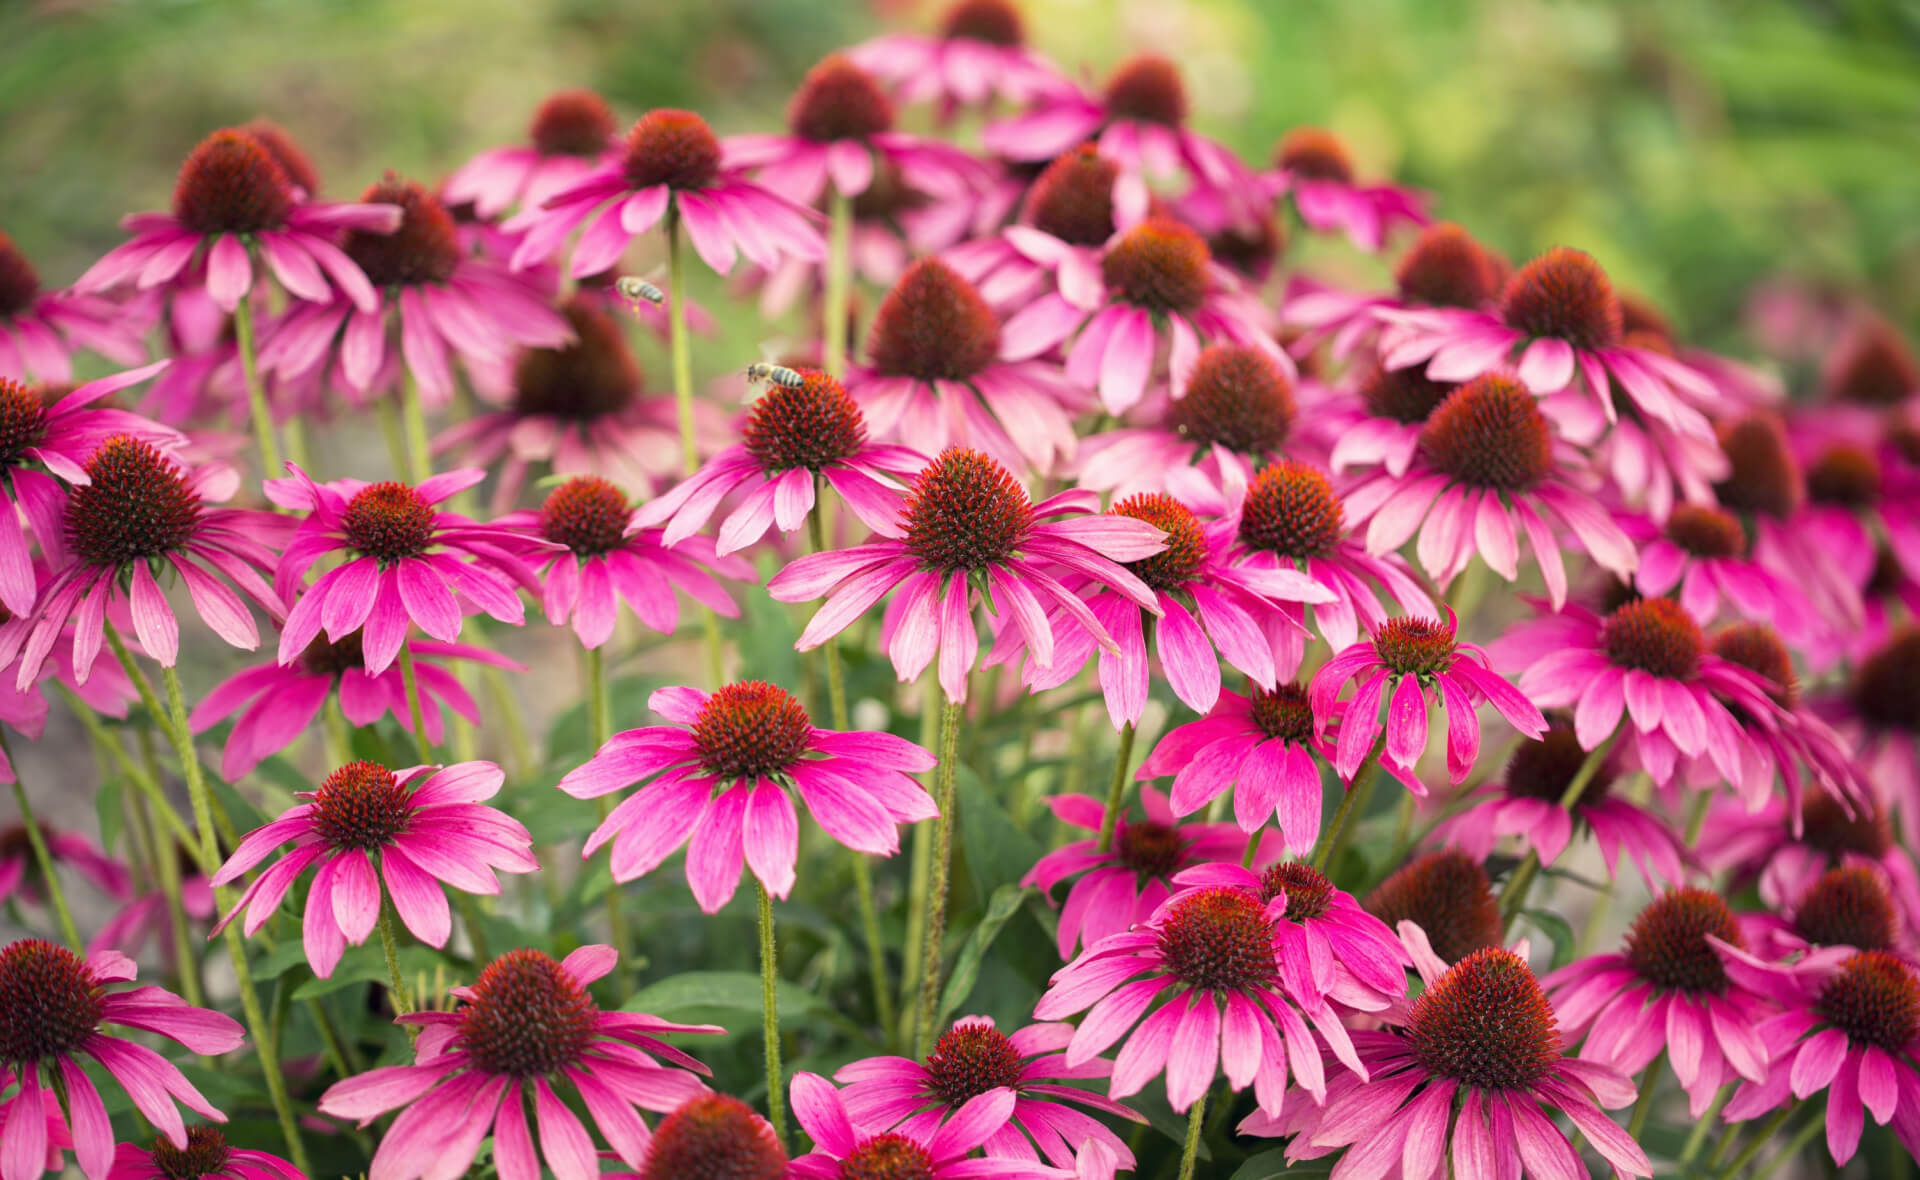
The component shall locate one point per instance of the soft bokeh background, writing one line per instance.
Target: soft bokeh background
(1695, 146)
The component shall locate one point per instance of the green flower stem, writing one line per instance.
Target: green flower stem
(1117, 788)
(270, 464)
(942, 865)
(839, 281)
(133, 772)
(390, 946)
(1514, 895)
(1756, 1145)
(1643, 1104)
(1813, 1127)
(599, 729)
(1336, 832)
(681, 342)
(413, 417)
(296, 433)
(1697, 1137)
(56, 897)
(919, 869)
(389, 418)
(416, 716)
(1196, 1121)
(770, 1015)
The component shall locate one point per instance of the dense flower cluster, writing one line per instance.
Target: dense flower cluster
(1423, 606)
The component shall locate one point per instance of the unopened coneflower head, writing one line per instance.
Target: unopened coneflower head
(526, 1028)
(714, 1137)
(1448, 895)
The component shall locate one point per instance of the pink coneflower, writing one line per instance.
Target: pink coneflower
(433, 298)
(44, 444)
(1312, 164)
(1261, 745)
(1851, 1027)
(1125, 884)
(1560, 313)
(277, 702)
(207, 1154)
(1668, 991)
(792, 439)
(1858, 505)
(1379, 422)
(1328, 945)
(1138, 121)
(138, 512)
(671, 167)
(1209, 610)
(842, 1148)
(147, 918)
(1850, 907)
(966, 522)
(720, 776)
(572, 133)
(1701, 557)
(606, 558)
(937, 376)
(978, 57)
(714, 1135)
(41, 330)
(1160, 292)
(1448, 895)
(234, 197)
(973, 1058)
(425, 826)
(1067, 215)
(1443, 267)
(1289, 518)
(1526, 803)
(1880, 712)
(53, 1006)
(20, 875)
(1470, 1085)
(1405, 660)
(406, 562)
(1646, 662)
(1489, 469)
(578, 410)
(1239, 405)
(525, 1028)
(1203, 951)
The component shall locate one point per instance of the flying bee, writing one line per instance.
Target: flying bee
(778, 374)
(635, 289)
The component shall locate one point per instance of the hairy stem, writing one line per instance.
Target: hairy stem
(1117, 788)
(942, 865)
(599, 729)
(56, 897)
(1513, 896)
(1196, 1121)
(770, 1015)
(839, 282)
(262, 415)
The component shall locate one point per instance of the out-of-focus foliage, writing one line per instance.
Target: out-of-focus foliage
(1695, 146)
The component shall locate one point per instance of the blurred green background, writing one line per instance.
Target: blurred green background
(1694, 146)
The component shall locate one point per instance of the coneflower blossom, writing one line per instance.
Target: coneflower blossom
(843, 1149)
(1405, 660)
(1209, 609)
(1701, 557)
(967, 524)
(1125, 884)
(207, 1154)
(278, 702)
(1851, 907)
(1525, 802)
(1647, 663)
(792, 439)
(406, 562)
(1668, 991)
(1443, 267)
(43, 445)
(1263, 747)
(973, 1058)
(20, 873)
(439, 301)
(605, 558)
(979, 56)
(1138, 121)
(1447, 895)
(147, 918)
(424, 826)
(720, 777)
(525, 1029)
(1469, 1084)
(1327, 944)
(1879, 713)
(578, 409)
(1378, 422)
(1488, 461)
(41, 330)
(714, 1135)
(233, 198)
(1066, 217)
(1850, 1027)
(1312, 165)
(1160, 292)
(572, 133)
(53, 1009)
(937, 377)
(1208, 957)
(671, 167)
(140, 514)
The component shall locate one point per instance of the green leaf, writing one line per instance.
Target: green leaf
(368, 964)
(730, 999)
(109, 811)
(1272, 1165)
(280, 960)
(1004, 903)
(1558, 931)
(998, 852)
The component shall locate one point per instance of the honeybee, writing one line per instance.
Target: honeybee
(636, 289)
(778, 374)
